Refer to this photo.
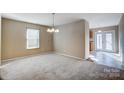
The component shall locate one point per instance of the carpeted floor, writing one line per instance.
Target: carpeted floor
(56, 67)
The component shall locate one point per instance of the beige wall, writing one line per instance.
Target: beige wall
(111, 28)
(71, 39)
(121, 37)
(14, 39)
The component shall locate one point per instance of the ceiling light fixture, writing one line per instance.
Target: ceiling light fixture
(99, 31)
(53, 29)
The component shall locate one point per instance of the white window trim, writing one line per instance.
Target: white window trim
(37, 39)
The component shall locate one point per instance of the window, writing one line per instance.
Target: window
(32, 38)
(109, 41)
(99, 41)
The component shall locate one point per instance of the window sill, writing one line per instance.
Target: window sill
(32, 48)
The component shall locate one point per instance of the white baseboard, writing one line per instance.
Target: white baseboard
(31, 55)
(69, 56)
(11, 59)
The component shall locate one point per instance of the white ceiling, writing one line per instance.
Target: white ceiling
(94, 19)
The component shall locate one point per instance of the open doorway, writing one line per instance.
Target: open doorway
(104, 41)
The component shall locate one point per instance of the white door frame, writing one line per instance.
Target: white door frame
(104, 38)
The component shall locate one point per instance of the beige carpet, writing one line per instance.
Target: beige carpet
(56, 67)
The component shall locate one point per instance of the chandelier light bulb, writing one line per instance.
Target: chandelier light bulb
(52, 29)
(57, 30)
(48, 30)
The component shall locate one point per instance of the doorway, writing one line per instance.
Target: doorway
(104, 41)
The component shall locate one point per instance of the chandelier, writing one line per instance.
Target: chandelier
(53, 29)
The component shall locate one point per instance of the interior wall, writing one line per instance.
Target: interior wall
(87, 40)
(110, 28)
(121, 38)
(14, 39)
(73, 39)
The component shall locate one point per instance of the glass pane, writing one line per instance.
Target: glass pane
(32, 34)
(109, 41)
(99, 41)
(33, 43)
